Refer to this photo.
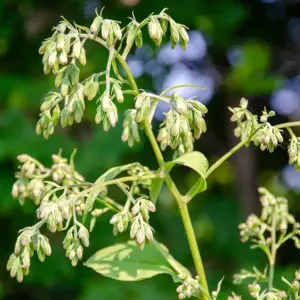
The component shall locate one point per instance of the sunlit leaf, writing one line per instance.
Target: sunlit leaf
(126, 262)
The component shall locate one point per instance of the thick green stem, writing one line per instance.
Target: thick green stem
(183, 209)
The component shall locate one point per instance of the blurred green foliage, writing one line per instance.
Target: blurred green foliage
(216, 213)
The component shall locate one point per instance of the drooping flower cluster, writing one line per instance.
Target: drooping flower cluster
(138, 219)
(190, 287)
(294, 151)
(184, 123)
(32, 176)
(249, 129)
(29, 241)
(258, 228)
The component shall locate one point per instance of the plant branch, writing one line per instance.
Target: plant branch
(273, 253)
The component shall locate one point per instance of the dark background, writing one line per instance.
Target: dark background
(238, 49)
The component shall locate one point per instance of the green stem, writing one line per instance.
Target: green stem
(183, 209)
(224, 158)
(288, 124)
(108, 67)
(273, 253)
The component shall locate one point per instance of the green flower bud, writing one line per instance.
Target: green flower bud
(52, 58)
(174, 32)
(60, 41)
(105, 29)
(64, 117)
(82, 57)
(62, 57)
(117, 30)
(118, 93)
(45, 45)
(164, 24)
(64, 89)
(138, 39)
(76, 49)
(105, 102)
(155, 31)
(93, 90)
(96, 24)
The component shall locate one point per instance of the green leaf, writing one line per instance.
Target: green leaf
(126, 262)
(194, 160)
(108, 175)
(155, 189)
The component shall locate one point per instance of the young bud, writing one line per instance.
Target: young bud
(64, 87)
(117, 30)
(82, 57)
(60, 41)
(62, 57)
(93, 90)
(96, 24)
(105, 29)
(105, 102)
(52, 58)
(138, 39)
(76, 48)
(119, 94)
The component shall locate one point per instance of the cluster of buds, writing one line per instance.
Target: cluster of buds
(190, 287)
(184, 122)
(120, 221)
(273, 208)
(130, 128)
(294, 151)
(74, 242)
(178, 35)
(63, 172)
(158, 26)
(110, 30)
(106, 112)
(140, 171)
(29, 240)
(72, 93)
(155, 30)
(134, 33)
(261, 133)
(32, 175)
(142, 105)
(253, 227)
(57, 49)
(254, 290)
(267, 136)
(54, 211)
(140, 230)
(278, 206)
(30, 179)
(246, 122)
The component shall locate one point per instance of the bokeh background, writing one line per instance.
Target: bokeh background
(237, 48)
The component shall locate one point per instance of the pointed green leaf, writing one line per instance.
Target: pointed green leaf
(194, 160)
(126, 262)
